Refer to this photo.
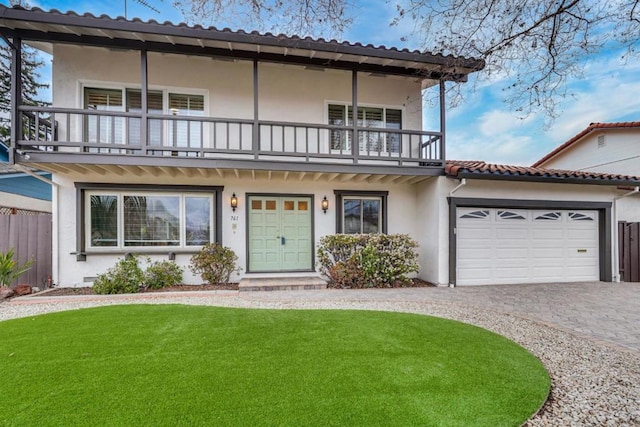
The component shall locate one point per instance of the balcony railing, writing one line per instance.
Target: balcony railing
(51, 129)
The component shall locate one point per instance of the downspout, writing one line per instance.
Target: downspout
(463, 182)
(55, 241)
(616, 249)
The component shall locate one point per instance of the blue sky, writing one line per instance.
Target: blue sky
(481, 128)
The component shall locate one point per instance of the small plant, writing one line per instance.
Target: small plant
(161, 274)
(214, 263)
(123, 278)
(11, 269)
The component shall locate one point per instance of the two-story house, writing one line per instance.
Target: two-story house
(163, 137)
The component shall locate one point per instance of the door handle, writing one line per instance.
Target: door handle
(282, 240)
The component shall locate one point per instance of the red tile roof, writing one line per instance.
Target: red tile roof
(585, 132)
(482, 170)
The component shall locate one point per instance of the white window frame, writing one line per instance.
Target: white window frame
(346, 106)
(120, 194)
(166, 90)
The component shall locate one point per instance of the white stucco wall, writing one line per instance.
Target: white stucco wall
(286, 92)
(620, 153)
(401, 201)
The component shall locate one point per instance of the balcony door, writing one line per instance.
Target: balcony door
(279, 233)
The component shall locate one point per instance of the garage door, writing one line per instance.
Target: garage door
(501, 246)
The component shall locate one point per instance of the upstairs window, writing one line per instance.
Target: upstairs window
(368, 117)
(117, 130)
(184, 133)
(103, 129)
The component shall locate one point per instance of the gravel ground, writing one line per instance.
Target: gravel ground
(593, 384)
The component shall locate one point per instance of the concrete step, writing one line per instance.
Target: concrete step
(281, 284)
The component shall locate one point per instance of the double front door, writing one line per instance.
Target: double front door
(280, 233)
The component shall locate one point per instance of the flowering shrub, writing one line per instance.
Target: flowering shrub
(367, 260)
(161, 274)
(214, 263)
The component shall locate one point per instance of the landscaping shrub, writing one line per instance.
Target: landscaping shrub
(214, 263)
(123, 278)
(367, 260)
(161, 274)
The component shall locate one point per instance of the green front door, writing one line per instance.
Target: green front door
(279, 233)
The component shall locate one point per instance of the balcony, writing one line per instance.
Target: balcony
(67, 135)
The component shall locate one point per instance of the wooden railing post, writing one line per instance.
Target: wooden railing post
(16, 97)
(256, 123)
(355, 138)
(442, 122)
(144, 93)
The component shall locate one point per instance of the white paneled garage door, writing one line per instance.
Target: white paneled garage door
(501, 246)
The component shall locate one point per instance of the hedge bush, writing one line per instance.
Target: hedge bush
(214, 263)
(127, 276)
(367, 260)
(162, 274)
(123, 278)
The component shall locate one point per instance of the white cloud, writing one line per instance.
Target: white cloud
(504, 148)
(496, 122)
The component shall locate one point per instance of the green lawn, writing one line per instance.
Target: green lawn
(188, 365)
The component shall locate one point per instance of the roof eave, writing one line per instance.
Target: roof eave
(457, 67)
(545, 179)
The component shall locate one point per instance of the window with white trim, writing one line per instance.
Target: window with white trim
(371, 117)
(177, 133)
(140, 219)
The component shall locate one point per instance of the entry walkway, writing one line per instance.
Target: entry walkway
(608, 312)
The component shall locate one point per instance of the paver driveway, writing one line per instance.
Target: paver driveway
(608, 312)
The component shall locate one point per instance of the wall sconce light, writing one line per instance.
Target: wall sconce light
(325, 204)
(234, 202)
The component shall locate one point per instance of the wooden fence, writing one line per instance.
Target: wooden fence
(30, 236)
(629, 251)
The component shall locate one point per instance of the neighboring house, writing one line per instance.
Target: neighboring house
(609, 148)
(163, 137)
(603, 147)
(20, 191)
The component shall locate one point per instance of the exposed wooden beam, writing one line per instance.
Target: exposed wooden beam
(286, 175)
(375, 178)
(78, 169)
(388, 179)
(302, 175)
(169, 171)
(317, 175)
(269, 175)
(402, 179)
(136, 170)
(188, 172)
(332, 177)
(220, 172)
(99, 170)
(417, 179)
(361, 177)
(54, 168)
(347, 177)
(237, 172)
(150, 170)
